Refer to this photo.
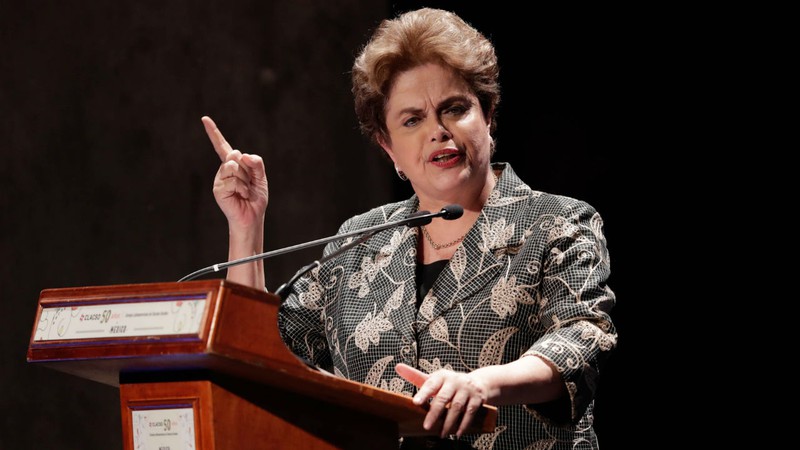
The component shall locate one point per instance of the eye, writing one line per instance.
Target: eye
(455, 110)
(411, 121)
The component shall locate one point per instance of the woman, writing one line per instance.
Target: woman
(507, 305)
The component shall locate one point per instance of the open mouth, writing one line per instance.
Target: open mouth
(444, 157)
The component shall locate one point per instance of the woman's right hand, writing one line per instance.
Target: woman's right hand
(240, 185)
(240, 188)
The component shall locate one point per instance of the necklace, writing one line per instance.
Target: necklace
(453, 242)
(440, 246)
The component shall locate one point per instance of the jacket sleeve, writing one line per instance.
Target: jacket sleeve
(576, 303)
(301, 316)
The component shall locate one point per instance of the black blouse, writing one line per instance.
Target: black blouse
(426, 276)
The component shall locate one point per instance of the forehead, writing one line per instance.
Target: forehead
(425, 84)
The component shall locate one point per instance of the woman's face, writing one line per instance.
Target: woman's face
(438, 134)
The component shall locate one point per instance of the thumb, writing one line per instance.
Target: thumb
(410, 374)
(255, 166)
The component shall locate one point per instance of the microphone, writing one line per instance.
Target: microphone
(449, 212)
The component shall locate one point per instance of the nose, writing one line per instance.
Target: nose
(440, 133)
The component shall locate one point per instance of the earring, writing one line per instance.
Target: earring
(400, 174)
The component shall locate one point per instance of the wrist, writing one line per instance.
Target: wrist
(246, 241)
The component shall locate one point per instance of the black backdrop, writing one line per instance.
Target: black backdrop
(107, 171)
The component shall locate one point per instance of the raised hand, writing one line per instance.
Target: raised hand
(240, 185)
(240, 189)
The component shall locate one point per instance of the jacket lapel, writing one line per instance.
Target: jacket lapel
(482, 256)
(400, 244)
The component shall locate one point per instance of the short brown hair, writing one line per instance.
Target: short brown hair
(415, 38)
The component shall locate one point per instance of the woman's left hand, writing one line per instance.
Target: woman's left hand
(452, 396)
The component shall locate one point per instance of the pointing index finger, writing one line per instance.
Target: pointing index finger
(221, 146)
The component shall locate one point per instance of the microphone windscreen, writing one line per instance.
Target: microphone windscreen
(451, 212)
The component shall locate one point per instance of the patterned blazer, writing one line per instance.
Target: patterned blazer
(529, 278)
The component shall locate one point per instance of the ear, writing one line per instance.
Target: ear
(379, 137)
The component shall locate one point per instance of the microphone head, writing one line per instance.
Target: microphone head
(451, 212)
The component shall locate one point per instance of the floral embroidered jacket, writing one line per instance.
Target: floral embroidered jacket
(529, 278)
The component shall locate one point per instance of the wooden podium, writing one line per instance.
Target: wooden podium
(201, 365)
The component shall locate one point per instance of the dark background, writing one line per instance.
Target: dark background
(107, 172)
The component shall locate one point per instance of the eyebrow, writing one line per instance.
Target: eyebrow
(442, 105)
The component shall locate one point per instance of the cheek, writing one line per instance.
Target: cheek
(478, 136)
(406, 147)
